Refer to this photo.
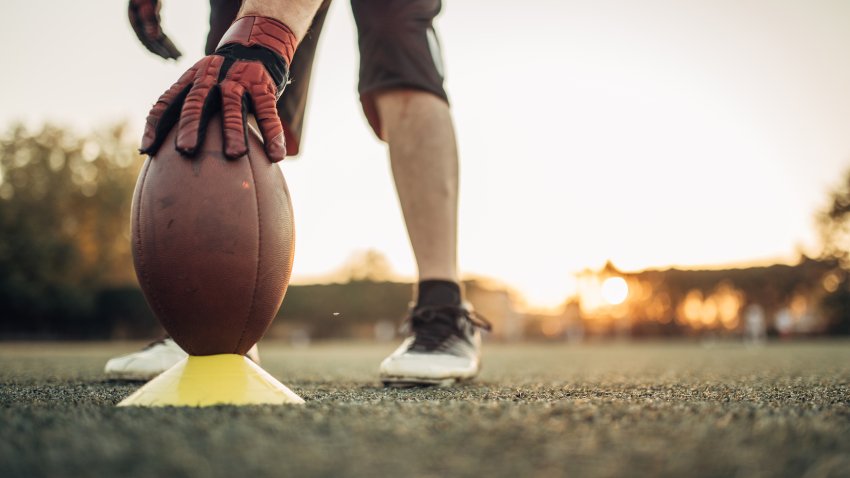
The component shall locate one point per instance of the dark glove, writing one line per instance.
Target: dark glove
(246, 73)
(144, 17)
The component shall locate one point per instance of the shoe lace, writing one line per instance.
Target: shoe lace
(432, 326)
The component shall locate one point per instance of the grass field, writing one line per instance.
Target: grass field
(656, 409)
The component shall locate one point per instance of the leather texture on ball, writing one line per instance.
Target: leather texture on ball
(213, 242)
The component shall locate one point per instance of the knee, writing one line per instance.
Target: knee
(400, 106)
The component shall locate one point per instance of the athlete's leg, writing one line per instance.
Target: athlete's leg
(401, 88)
(445, 345)
(423, 154)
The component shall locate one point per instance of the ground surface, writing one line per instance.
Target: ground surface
(537, 410)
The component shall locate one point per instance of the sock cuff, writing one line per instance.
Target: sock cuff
(436, 292)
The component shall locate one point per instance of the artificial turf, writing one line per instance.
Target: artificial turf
(615, 409)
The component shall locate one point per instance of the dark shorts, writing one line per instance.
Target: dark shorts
(398, 49)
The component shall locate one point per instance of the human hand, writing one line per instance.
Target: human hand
(144, 18)
(247, 73)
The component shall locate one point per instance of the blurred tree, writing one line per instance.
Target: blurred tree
(368, 265)
(834, 223)
(836, 308)
(64, 225)
(834, 227)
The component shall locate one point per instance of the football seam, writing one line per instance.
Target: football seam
(259, 253)
(142, 269)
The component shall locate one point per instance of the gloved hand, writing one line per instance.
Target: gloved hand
(246, 73)
(144, 17)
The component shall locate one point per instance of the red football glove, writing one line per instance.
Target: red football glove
(144, 17)
(246, 73)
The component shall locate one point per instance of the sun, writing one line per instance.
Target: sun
(615, 290)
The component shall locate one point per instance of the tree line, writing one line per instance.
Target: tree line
(65, 260)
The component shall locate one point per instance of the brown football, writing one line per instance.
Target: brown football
(213, 243)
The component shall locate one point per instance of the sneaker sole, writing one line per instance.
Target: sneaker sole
(417, 382)
(412, 382)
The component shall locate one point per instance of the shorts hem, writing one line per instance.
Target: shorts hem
(370, 109)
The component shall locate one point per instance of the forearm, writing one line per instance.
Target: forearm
(296, 14)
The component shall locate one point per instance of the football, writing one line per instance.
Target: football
(213, 242)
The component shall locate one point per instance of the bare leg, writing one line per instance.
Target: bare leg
(423, 154)
(296, 14)
(445, 342)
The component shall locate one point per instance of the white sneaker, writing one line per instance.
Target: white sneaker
(445, 347)
(154, 359)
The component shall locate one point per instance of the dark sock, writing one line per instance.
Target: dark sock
(438, 293)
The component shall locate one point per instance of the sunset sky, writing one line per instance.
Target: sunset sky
(651, 133)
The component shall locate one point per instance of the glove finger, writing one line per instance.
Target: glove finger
(169, 47)
(148, 15)
(133, 15)
(264, 105)
(153, 26)
(161, 46)
(234, 114)
(198, 107)
(265, 110)
(157, 48)
(145, 23)
(164, 113)
(138, 27)
(136, 22)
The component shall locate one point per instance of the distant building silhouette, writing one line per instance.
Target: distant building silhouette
(754, 301)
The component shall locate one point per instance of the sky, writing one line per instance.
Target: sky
(653, 134)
